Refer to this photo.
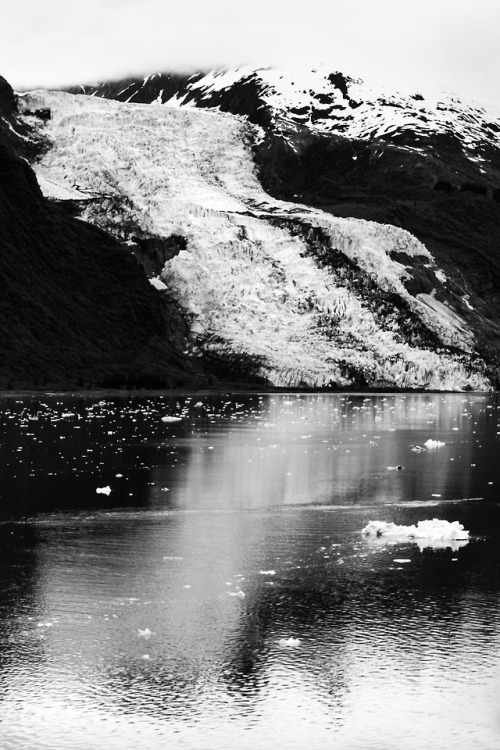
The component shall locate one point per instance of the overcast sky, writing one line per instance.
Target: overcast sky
(451, 42)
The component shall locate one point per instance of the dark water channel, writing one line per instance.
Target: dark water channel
(222, 596)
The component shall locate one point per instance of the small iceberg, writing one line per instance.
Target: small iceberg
(171, 419)
(103, 490)
(431, 444)
(240, 594)
(434, 530)
(289, 642)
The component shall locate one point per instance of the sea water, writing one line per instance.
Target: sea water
(221, 594)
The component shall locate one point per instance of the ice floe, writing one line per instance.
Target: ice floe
(433, 443)
(289, 642)
(430, 532)
(103, 490)
(432, 529)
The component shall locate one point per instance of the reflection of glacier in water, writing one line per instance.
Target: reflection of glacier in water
(329, 449)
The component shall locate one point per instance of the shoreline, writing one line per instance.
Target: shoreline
(225, 388)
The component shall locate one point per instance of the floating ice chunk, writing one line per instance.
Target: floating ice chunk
(433, 443)
(289, 642)
(171, 419)
(239, 594)
(434, 530)
(157, 283)
(401, 560)
(418, 449)
(199, 404)
(267, 572)
(103, 490)
(146, 633)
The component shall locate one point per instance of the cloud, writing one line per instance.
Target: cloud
(57, 42)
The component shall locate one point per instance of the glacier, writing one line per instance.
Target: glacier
(270, 290)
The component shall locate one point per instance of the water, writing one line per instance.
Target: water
(222, 596)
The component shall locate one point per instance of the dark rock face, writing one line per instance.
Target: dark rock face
(156, 87)
(76, 309)
(7, 98)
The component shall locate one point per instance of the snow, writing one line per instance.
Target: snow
(58, 190)
(380, 110)
(433, 530)
(248, 282)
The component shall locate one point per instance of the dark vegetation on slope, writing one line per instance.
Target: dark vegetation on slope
(76, 309)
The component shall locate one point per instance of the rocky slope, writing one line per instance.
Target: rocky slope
(76, 309)
(270, 289)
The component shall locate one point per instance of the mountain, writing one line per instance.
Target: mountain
(76, 309)
(249, 198)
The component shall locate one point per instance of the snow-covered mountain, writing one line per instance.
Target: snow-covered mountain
(301, 105)
(271, 285)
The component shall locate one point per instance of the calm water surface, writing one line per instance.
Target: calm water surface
(221, 595)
